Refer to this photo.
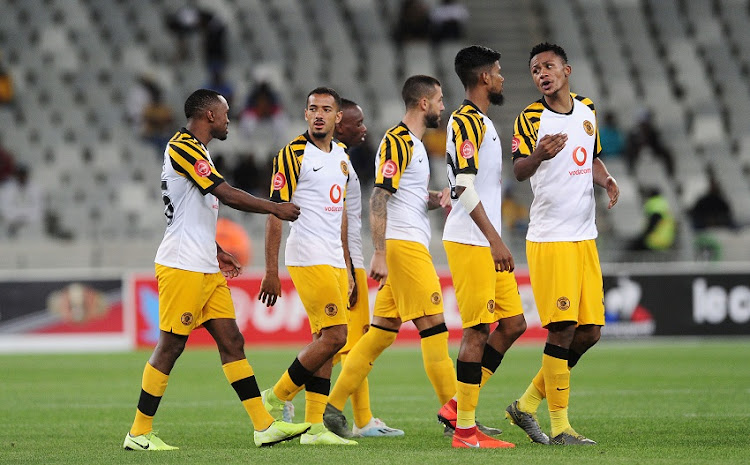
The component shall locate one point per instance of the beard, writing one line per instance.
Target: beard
(432, 120)
(497, 98)
(221, 135)
(318, 134)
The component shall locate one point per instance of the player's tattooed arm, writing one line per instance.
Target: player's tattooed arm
(379, 216)
(378, 221)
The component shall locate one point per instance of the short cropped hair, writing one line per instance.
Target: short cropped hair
(346, 103)
(547, 47)
(470, 59)
(417, 87)
(199, 101)
(325, 91)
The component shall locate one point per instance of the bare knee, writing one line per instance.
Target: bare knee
(586, 336)
(334, 337)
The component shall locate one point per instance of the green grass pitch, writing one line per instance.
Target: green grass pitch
(645, 402)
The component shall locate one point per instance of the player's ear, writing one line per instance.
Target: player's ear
(339, 116)
(567, 69)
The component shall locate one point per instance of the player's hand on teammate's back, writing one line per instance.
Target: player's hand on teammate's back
(287, 211)
(270, 289)
(228, 264)
(550, 145)
(379, 268)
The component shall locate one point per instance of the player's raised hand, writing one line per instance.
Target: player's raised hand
(379, 268)
(270, 289)
(549, 146)
(286, 211)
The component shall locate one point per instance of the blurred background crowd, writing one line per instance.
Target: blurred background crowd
(91, 90)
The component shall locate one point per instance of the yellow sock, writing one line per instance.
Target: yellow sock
(486, 375)
(240, 375)
(438, 365)
(557, 387)
(360, 400)
(467, 398)
(294, 393)
(315, 405)
(359, 363)
(559, 421)
(531, 399)
(153, 385)
(291, 381)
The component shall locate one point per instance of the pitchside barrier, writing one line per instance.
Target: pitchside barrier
(106, 310)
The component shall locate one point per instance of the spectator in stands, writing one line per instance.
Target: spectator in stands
(515, 215)
(189, 19)
(263, 112)
(413, 22)
(6, 85)
(219, 83)
(448, 20)
(645, 135)
(214, 31)
(234, 239)
(660, 230)
(251, 177)
(611, 136)
(22, 205)
(182, 23)
(138, 98)
(712, 209)
(7, 164)
(158, 120)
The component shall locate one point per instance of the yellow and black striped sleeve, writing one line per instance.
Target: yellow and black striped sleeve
(286, 168)
(526, 130)
(189, 159)
(589, 103)
(468, 134)
(395, 152)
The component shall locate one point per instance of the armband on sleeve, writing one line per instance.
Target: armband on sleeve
(469, 198)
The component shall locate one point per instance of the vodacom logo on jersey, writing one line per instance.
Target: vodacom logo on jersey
(336, 193)
(579, 157)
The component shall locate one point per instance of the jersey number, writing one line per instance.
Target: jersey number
(168, 207)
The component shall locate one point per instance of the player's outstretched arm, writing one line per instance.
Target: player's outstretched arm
(438, 199)
(270, 286)
(241, 200)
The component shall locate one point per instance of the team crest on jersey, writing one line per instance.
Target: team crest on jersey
(435, 298)
(202, 168)
(588, 127)
(279, 181)
(390, 168)
(467, 149)
(332, 309)
(345, 168)
(186, 318)
(563, 303)
(491, 306)
(515, 144)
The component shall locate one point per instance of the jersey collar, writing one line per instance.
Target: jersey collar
(544, 102)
